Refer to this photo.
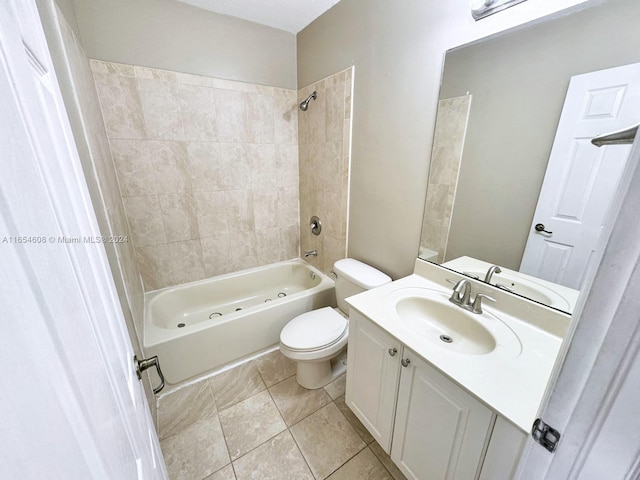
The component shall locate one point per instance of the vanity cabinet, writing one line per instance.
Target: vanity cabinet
(432, 428)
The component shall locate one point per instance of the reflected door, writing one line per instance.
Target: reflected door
(581, 179)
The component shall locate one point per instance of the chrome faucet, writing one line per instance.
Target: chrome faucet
(493, 269)
(311, 253)
(461, 296)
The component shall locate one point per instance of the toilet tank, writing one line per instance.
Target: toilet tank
(353, 277)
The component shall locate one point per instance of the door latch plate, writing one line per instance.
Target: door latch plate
(545, 435)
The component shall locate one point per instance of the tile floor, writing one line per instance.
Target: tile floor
(256, 422)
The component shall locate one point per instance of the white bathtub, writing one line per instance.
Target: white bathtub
(203, 325)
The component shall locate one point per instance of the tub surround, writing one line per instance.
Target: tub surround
(207, 169)
(513, 386)
(324, 145)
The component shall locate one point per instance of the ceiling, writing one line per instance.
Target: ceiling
(289, 15)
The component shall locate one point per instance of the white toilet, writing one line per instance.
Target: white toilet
(315, 338)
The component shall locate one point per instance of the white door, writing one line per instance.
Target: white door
(72, 406)
(581, 179)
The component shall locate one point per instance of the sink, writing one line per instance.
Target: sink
(452, 325)
(430, 315)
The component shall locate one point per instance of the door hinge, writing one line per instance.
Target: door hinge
(545, 435)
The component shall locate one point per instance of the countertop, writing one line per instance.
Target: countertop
(513, 386)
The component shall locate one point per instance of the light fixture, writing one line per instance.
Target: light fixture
(484, 8)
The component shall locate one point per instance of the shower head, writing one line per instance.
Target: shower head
(305, 103)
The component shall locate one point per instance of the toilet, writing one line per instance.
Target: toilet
(316, 339)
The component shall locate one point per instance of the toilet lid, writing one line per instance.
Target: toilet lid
(314, 330)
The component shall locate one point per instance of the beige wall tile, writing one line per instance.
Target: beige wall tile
(198, 109)
(145, 219)
(171, 164)
(209, 208)
(179, 216)
(205, 166)
(266, 208)
(259, 110)
(208, 168)
(121, 107)
(161, 109)
(268, 246)
(134, 166)
(231, 116)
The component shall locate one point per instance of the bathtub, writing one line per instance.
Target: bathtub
(200, 326)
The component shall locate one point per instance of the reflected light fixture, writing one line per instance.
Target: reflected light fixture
(484, 8)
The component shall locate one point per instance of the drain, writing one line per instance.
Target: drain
(267, 300)
(282, 294)
(180, 325)
(238, 309)
(446, 338)
(215, 314)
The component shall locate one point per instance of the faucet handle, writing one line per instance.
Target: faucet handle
(477, 302)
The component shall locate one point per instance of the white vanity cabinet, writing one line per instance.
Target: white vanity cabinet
(432, 428)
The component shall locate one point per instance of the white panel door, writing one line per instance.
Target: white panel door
(581, 178)
(440, 430)
(72, 406)
(373, 368)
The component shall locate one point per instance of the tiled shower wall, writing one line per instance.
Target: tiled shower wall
(324, 149)
(207, 168)
(448, 144)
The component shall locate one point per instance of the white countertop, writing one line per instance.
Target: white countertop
(511, 385)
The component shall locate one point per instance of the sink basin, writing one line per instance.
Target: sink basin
(452, 325)
(430, 315)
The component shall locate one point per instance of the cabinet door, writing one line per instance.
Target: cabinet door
(373, 368)
(440, 430)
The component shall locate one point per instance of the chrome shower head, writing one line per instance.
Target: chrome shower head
(305, 103)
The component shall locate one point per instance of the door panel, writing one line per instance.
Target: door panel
(75, 408)
(581, 179)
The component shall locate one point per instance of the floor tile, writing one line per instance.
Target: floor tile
(276, 459)
(295, 402)
(196, 451)
(250, 423)
(275, 367)
(336, 388)
(327, 440)
(236, 385)
(353, 420)
(364, 466)
(183, 407)
(225, 473)
(386, 461)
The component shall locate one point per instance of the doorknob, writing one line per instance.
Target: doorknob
(142, 365)
(540, 228)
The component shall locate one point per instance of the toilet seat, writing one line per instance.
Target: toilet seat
(314, 330)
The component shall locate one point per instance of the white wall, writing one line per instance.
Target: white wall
(397, 49)
(170, 35)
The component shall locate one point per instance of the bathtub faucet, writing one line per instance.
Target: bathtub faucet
(311, 253)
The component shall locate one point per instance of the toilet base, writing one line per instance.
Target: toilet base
(314, 375)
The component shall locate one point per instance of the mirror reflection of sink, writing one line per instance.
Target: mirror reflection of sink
(429, 315)
(533, 290)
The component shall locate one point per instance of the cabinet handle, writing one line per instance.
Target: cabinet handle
(393, 351)
(405, 362)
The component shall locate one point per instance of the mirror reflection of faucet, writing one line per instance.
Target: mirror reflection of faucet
(311, 253)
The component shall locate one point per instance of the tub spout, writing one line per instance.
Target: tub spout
(311, 253)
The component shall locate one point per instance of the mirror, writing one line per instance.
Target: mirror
(508, 90)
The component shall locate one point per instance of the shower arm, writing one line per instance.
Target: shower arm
(625, 136)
